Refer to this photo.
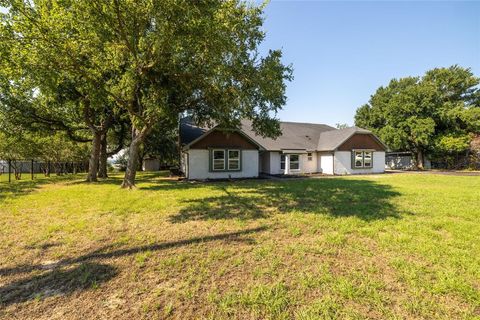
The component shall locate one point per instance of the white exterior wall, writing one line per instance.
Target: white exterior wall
(275, 163)
(343, 164)
(198, 166)
(271, 163)
(309, 166)
(326, 162)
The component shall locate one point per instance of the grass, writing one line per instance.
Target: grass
(382, 247)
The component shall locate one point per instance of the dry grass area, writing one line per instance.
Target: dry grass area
(381, 247)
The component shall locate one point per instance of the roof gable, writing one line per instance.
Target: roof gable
(216, 138)
(295, 136)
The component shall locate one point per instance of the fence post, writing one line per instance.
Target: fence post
(31, 169)
(9, 171)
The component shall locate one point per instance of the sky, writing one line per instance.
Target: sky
(341, 52)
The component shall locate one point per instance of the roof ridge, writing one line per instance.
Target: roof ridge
(318, 124)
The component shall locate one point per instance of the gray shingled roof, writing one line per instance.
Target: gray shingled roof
(330, 140)
(295, 135)
(189, 131)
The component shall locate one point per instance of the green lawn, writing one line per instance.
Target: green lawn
(383, 246)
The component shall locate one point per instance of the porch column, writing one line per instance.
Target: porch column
(287, 164)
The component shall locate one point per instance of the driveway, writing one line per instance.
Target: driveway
(443, 172)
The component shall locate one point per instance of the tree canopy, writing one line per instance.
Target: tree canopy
(151, 60)
(436, 114)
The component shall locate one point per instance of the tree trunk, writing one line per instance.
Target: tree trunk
(420, 159)
(141, 155)
(94, 157)
(132, 164)
(47, 169)
(102, 170)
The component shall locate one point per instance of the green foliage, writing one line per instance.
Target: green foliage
(57, 147)
(150, 59)
(162, 143)
(450, 143)
(341, 125)
(435, 113)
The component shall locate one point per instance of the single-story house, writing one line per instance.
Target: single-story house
(213, 153)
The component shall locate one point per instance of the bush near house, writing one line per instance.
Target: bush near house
(378, 246)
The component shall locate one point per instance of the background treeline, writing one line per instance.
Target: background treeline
(435, 116)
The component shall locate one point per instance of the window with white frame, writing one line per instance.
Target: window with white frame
(367, 159)
(218, 160)
(294, 162)
(309, 156)
(233, 159)
(362, 159)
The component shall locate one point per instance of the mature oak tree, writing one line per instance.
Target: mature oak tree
(435, 114)
(154, 60)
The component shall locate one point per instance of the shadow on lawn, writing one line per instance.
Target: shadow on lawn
(26, 186)
(79, 273)
(365, 199)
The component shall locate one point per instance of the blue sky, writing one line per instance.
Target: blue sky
(342, 52)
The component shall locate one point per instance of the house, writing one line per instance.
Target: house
(213, 153)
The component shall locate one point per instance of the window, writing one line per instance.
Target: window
(218, 160)
(362, 159)
(233, 159)
(294, 162)
(367, 159)
(358, 159)
(226, 160)
(309, 156)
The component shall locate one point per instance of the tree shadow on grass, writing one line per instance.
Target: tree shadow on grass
(80, 273)
(24, 187)
(153, 180)
(57, 282)
(364, 199)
